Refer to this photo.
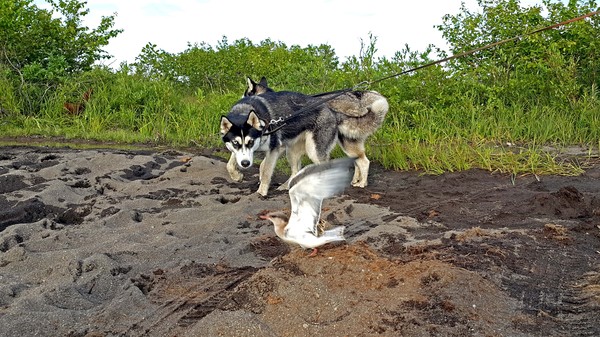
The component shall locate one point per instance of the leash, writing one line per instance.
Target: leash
(488, 46)
(367, 84)
(267, 131)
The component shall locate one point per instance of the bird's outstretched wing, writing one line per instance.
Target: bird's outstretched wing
(311, 185)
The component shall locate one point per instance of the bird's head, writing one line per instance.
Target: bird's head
(279, 219)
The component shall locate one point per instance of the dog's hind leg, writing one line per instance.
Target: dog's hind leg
(355, 148)
(318, 149)
(232, 168)
(266, 169)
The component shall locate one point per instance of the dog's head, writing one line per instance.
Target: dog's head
(257, 88)
(243, 137)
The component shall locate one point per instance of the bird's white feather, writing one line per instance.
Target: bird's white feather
(309, 187)
(307, 190)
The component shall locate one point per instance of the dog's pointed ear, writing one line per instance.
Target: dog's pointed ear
(255, 121)
(225, 125)
(251, 89)
(257, 88)
(262, 86)
(263, 82)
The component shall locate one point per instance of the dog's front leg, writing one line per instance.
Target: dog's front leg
(232, 168)
(294, 154)
(267, 167)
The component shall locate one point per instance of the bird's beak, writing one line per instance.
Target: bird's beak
(264, 217)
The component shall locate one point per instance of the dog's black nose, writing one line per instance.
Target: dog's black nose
(245, 163)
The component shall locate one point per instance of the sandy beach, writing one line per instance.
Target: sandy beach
(105, 242)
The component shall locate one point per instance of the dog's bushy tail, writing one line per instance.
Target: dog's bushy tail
(361, 113)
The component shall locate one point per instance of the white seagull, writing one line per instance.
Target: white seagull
(307, 190)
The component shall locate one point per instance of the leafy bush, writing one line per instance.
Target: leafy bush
(43, 51)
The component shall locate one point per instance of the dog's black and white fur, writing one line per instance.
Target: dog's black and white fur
(347, 119)
(243, 130)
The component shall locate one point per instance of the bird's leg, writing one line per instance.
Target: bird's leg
(320, 227)
(314, 253)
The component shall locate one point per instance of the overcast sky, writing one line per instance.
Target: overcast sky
(171, 24)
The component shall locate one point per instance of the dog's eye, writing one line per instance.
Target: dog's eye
(250, 142)
(235, 142)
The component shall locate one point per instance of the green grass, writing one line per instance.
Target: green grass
(431, 147)
(415, 136)
(453, 155)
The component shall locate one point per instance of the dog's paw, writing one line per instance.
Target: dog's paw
(263, 191)
(236, 176)
(361, 184)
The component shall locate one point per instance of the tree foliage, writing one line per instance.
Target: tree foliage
(50, 43)
(225, 66)
(552, 66)
(44, 48)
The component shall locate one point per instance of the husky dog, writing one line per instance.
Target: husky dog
(359, 115)
(254, 123)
